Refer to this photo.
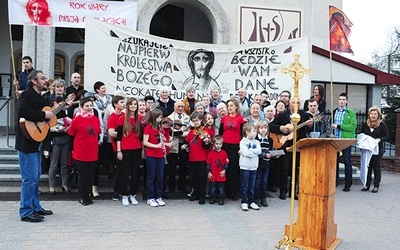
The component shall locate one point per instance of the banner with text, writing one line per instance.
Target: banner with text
(141, 64)
(71, 14)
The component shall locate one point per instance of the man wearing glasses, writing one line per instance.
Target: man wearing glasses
(177, 156)
(29, 151)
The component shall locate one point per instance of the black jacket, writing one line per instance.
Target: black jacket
(380, 132)
(283, 119)
(30, 108)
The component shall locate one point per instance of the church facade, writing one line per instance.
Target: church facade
(229, 22)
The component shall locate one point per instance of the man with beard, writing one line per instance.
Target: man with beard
(200, 62)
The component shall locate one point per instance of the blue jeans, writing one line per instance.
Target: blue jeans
(155, 176)
(30, 167)
(221, 190)
(247, 182)
(262, 180)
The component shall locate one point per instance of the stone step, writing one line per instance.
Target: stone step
(15, 179)
(356, 171)
(8, 159)
(9, 169)
(8, 151)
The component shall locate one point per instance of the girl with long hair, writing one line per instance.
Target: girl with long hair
(129, 151)
(155, 139)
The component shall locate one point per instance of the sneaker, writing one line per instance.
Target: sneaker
(133, 200)
(254, 206)
(115, 196)
(190, 193)
(152, 203)
(160, 202)
(245, 207)
(95, 191)
(125, 201)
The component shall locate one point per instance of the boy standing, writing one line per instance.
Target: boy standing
(248, 163)
(118, 102)
(266, 144)
(217, 164)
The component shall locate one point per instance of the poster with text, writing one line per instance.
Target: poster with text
(140, 64)
(71, 14)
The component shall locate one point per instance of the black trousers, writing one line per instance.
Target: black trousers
(85, 178)
(233, 172)
(174, 160)
(375, 165)
(285, 170)
(129, 167)
(198, 170)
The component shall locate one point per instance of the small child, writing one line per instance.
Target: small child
(199, 142)
(260, 193)
(209, 126)
(217, 164)
(248, 163)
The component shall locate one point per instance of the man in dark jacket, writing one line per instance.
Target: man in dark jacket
(29, 151)
(280, 129)
(22, 80)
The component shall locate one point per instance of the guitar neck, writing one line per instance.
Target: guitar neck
(317, 117)
(302, 125)
(59, 108)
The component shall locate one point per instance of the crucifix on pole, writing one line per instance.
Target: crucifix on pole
(296, 71)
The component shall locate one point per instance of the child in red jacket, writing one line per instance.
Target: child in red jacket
(217, 164)
(199, 142)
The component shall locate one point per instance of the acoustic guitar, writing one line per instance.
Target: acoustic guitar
(38, 131)
(281, 139)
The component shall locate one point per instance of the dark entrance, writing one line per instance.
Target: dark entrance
(182, 22)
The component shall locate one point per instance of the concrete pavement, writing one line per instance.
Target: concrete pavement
(365, 221)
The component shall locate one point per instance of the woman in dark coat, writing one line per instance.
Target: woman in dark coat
(376, 128)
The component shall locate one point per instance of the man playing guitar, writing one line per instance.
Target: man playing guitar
(278, 126)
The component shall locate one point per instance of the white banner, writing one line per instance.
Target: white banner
(71, 14)
(140, 64)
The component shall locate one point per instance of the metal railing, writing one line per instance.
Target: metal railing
(6, 102)
(390, 149)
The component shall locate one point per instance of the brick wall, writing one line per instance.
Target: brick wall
(396, 163)
(388, 163)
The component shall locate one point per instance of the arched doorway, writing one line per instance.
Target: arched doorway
(59, 66)
(182, 21)
(79, 68)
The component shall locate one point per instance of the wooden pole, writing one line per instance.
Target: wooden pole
(13, 60)
(331, 84)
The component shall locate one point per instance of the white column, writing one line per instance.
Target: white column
(45, 50)
(29, 43)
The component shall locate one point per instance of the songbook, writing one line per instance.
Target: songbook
(276, 152)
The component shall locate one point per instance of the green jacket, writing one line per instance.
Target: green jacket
(349, 125)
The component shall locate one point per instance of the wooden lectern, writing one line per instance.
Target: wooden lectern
(315, 221)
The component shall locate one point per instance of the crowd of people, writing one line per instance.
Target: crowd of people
(233, 148)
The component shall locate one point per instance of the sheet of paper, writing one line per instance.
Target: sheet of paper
(276, 152)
